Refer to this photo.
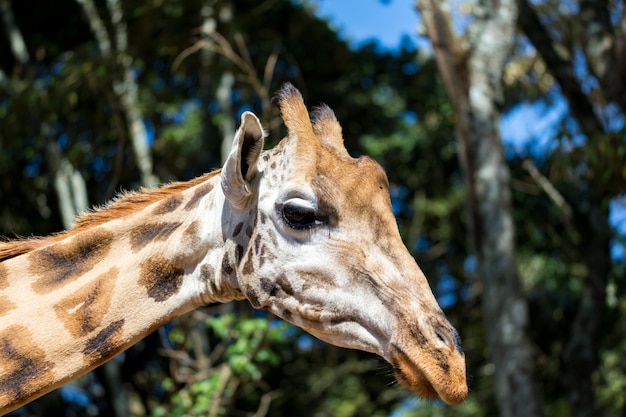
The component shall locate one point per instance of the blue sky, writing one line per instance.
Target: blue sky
(361, 20)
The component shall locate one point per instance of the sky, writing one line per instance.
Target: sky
(361, 20)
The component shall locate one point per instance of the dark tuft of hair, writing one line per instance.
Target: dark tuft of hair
(284, 92)
(321, 112)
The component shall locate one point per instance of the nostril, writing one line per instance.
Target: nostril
(440, 337)
(450, 337)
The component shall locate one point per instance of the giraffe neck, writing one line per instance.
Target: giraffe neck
(76, 300)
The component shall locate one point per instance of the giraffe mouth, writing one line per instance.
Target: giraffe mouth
(428, 382)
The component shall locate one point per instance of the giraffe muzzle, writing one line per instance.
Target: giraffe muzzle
(431, 373)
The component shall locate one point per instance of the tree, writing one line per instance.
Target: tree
(573, 53)
(472, 70)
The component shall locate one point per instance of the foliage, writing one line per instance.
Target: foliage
(250, 351)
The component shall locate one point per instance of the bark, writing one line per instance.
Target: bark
(16, 41)
(473, 78)
(598, 39)
(127, 91)
(116, 394)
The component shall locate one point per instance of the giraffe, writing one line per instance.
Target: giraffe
(303, 230)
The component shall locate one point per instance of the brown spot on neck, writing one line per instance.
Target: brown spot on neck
(161, 278)
(200, 192)
(191, 235)
(144, 234)
(168, 205)
(82, 312)
(61, 263)
(105, 344)
(6, 305)
(25, 370)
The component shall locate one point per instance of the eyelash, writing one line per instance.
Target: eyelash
(300, 218)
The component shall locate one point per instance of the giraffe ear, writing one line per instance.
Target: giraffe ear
(240, 167)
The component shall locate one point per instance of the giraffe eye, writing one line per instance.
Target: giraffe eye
(300, 216)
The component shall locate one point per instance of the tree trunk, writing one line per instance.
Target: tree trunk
(473, 79)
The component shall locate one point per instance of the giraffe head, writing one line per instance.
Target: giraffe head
(322, 249)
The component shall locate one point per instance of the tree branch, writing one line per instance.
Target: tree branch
(264, 404)
(561, 69)
(452, 64)
(121, 32)
(216, 397)
(97, 26)
(451, 58)
(549, 189)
